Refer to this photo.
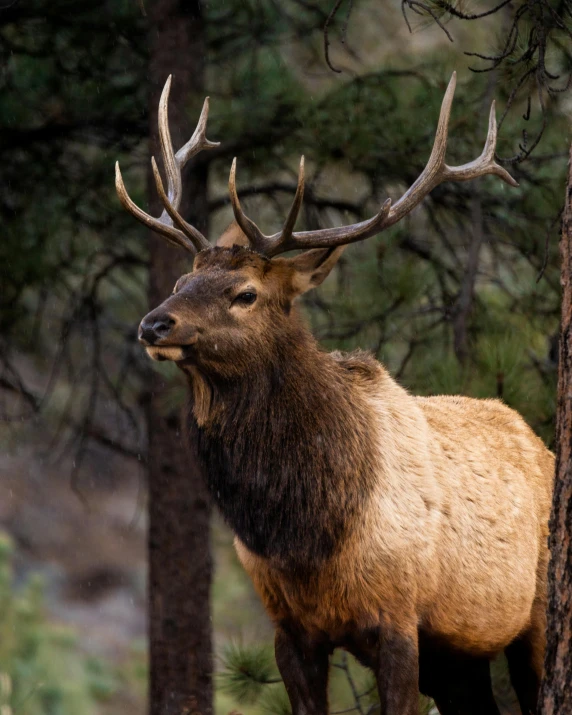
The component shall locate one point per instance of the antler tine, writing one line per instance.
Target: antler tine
(186, 236)
(199, 241)
(174, 180)
(485, 164)
(432, 173)
(296, 205)
(256, 238)
(173, 235)
(198, 141)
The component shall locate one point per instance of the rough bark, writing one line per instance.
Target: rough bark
(179, 512)
(556, 691)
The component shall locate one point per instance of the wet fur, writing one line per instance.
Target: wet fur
(363, 514)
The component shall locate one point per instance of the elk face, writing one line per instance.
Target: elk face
(230, 312)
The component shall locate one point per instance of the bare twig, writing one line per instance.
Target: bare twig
(329, 19)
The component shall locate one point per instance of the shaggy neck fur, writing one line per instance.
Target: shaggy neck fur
(287, 449)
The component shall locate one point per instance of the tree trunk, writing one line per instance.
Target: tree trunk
(556, 692)
(179, 511)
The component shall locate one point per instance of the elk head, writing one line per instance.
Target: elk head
(230, 311)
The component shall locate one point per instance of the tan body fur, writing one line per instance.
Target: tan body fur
(453, 542)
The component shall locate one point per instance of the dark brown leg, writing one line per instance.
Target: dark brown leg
(525, 656)
(392, 655)
(459, 684)
(303, 664)
(467, 691)
(397, 673)
(524, 678)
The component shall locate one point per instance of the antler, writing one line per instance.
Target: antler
(434, 173)
(184, 235)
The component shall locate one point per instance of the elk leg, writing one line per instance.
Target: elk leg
(303, 664)
(459, 683)
(525, 676)
(466, 689)
(397, 672)
(525, 656)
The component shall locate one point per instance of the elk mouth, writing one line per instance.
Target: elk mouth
(160, 345)
(174, 353)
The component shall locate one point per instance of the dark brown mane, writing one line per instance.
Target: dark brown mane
(300, 430)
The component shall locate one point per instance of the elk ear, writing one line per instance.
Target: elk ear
(311, 268)
(233, 235)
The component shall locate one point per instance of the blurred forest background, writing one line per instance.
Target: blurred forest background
(461, 297)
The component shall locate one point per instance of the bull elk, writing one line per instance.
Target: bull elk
(411, 531)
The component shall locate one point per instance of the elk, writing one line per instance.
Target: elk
(411, 531)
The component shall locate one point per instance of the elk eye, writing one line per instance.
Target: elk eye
(246, 298)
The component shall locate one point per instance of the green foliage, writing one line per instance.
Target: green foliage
(246, 670)
(43, 670)
(504, 694)
(40, 671)
(275, 702)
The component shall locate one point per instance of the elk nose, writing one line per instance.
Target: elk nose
(155, 327)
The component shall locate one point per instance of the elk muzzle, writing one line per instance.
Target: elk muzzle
(154, 328)
(166, 337)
